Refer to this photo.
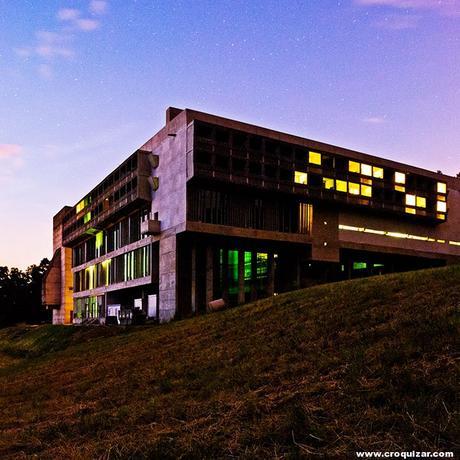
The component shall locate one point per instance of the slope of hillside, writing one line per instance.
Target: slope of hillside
(359, 365)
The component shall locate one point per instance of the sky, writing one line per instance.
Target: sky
(84, 83)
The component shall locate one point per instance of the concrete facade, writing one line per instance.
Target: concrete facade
(211, 208)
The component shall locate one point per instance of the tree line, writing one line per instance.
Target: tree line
(20, 295)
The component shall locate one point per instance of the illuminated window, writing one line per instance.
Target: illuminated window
(400, 188)
(410, 210)
(328, 183)
(80, 206)
(366, 170)
(377, 172)
(359, 265)
(366, 190)
(341, 186)
(354, 166)
(87, 217)
(353, 188)
(441, 198)
(442, 187)
(441, 216)
(400, 178)
(421, 202)
(366, 181)
(314, 158)
(410, 200)
(300, 177)
(441, 206)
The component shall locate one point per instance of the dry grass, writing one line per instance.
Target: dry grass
(361, 365)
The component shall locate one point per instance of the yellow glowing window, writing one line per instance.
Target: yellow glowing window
(366, 170)
(328, 183)
(421, 202)
(341, 186)
(400, 188)
(400, 178)
(314, 158)
(377, 172)
(354, 167)
(366, 190)
(301, 177)
(441, 206)
(410, 200)
(366, 181)
(353, 188)
(441, 198)
(80, 206)
(410, 210)
(442, 187)
(441, 216)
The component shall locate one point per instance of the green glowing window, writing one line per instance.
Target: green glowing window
(379, 265)
(99, 240)
(247, 265)
(353, 188)
(314, 158)
(341, 186)
(262, 265)
(359, 265)
(233, 271)
(354, 167)
(421, 202)
(300, 177)
(328, 183)
(87, 217)
(377, 172)
(441, 187)
(366, 170)
(366, 190)
(400, 178)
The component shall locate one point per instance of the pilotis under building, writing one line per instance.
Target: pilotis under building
(211, 208)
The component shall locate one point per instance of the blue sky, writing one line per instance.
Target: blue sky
(83, 83)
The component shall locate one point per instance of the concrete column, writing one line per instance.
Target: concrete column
(168, 278)
(209, 274)
(241, 297)
(193, 278)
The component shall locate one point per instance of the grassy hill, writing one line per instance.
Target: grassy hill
(359, 365)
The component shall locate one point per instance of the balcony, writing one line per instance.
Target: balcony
(151, 227)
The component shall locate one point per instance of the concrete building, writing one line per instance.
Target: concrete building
(211, 208)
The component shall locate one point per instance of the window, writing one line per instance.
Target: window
(421, 202)
(314, 158)
(300, 177)
(87, 217)
(400, 178)
(366, 190)
(377, 172)
(410, 200)
(328, 183)
(400, 188)
(80, 206)
(354, 167)
(353, 188)
(441, 187)
(410, 210)
(341, 186)
(441, 206)
(366, 170)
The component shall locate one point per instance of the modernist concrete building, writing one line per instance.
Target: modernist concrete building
(211, 208)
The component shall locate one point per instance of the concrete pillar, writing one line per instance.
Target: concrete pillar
(193, 278)
(209, 274)
(168, 277)
(241, 297)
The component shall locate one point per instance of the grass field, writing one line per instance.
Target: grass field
(360, 365)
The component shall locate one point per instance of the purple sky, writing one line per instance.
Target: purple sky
(83, 83)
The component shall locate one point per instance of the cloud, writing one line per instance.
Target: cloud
(443, 7)
(398, 22)
(87, 24)
(375, 120)
(68, 14)
(10, 151)
(45, 71)
(98, 6)
(53, 44)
